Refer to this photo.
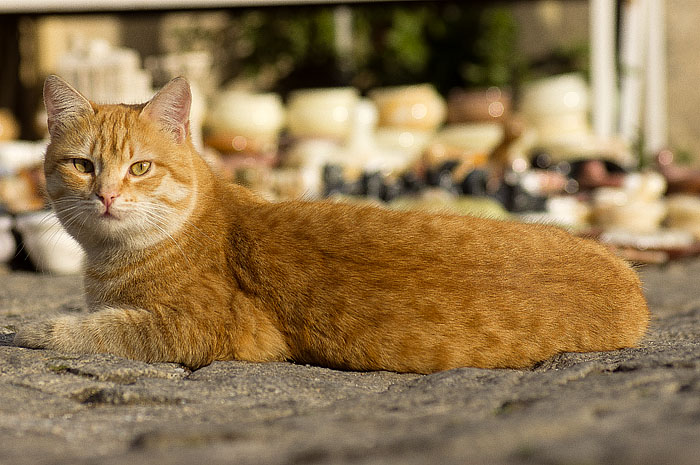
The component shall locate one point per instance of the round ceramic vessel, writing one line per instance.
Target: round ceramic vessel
(418, 107)
(247, 114)
(322, 113)
(49, 246)
(7, 240)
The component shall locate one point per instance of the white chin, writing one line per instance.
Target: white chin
(112, 226)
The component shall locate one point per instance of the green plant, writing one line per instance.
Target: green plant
(447, 43)
(494, 50)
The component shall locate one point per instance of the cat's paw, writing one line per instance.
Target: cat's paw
(37, 335)
(55, 333)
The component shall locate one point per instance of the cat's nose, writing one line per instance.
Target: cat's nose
(107, 198)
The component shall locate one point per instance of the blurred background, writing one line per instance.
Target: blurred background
(580, 113)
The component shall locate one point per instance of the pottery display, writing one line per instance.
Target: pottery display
(393, 146)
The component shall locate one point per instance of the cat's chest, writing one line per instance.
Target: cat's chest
(119, 288)
(155, 284)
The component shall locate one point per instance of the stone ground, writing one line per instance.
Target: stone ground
(637, 406)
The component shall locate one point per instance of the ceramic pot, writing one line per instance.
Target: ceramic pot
(616, 208)
(9, 128)
(557, 106)
(7, 240)
(50, 248)
(417, 107)
(322, 113)
(467, 106)
(684, 213)
(246, 114)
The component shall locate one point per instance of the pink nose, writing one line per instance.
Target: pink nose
(107, 199)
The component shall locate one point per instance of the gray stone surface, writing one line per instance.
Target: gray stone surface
(633, 406)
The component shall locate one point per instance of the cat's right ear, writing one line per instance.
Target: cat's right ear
(63, 103)
(170, 109)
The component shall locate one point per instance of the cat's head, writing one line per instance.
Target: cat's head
(120, 174)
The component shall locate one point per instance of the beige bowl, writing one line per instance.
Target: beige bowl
(466, 106)
(615, 208)
(481, 137)
(684, 213)
(418, 107)
(556, 95)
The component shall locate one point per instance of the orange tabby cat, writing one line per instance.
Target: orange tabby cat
(184, 267)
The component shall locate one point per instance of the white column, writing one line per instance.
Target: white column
(632, 56)
(655, 121)
(603, 86)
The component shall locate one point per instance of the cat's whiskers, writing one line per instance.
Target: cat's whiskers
(70, 203)
(72, 219)
(72, 212)
(70, 215)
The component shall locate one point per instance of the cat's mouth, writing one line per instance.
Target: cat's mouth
(109, 215)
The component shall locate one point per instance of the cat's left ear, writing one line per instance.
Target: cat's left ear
(170, 108)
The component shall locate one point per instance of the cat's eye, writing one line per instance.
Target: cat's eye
(140, 168)
(83, 165)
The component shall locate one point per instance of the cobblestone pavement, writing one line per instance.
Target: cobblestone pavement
(634, 406)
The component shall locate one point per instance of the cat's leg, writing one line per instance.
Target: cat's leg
(131, 333)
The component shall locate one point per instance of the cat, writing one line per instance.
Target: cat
(184, 267)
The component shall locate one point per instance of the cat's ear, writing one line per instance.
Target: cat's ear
(63, 103)
(170, 108)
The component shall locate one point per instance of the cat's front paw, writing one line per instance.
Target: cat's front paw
(59, 333)
(37, 335)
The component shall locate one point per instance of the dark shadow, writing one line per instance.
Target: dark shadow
(6, 340)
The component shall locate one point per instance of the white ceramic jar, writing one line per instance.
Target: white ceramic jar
(18, 155)
(246, 114)
(684, 213)
(322, 113)
(7, 240)
(417, 107)
(557, 106)
(49, 246)
(620, 209)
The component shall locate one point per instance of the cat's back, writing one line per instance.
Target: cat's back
(407, 273)
(467, 244)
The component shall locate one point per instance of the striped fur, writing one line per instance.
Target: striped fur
(190, 269)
